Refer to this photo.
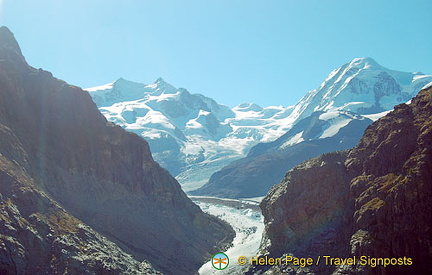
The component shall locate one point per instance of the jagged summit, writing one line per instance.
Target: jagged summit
(121, 79)
(160, 80)
(9, 48)
(8, 41)
(164, 87)
(249, 107)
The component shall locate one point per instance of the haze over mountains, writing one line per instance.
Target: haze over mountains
(194, 137)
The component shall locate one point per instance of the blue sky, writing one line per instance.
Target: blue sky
(270, 52)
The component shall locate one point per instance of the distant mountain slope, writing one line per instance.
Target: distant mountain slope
(54, 139)
(267, 163)
(332, 117)
(372, 201)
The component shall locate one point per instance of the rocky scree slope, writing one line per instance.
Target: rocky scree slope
(373, 200)
(99, 173)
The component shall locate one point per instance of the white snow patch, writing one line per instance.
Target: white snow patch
(375, 117)
(203, 113)
(194, 124)
(102, 87)
(257, 200)
(427, 86)
(163, 97)
(294, 140)
(155, 119)
(335, 125)
(329, 115)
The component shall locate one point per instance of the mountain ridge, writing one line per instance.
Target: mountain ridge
(195, 144)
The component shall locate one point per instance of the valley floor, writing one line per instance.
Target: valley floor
(246, 219)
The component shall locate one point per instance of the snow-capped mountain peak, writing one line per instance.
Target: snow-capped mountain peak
(362, 86)
(160, 86)
(365, 63)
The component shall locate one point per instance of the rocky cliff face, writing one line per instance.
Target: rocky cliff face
(96, 171)
(306, 213)
(37, 236)
(373, 200)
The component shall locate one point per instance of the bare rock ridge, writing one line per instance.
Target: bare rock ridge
(92, 172)
(373, 200)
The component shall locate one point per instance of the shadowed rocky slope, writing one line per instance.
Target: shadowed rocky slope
(37, 236)
(374, 200)
(104, 176)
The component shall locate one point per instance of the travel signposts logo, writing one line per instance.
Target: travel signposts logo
(220, 261)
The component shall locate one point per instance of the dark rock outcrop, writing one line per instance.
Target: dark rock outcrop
(373, 200)
(99, 173)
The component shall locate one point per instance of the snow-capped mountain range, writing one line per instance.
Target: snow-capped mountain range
(189, 134)
(193, 136)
